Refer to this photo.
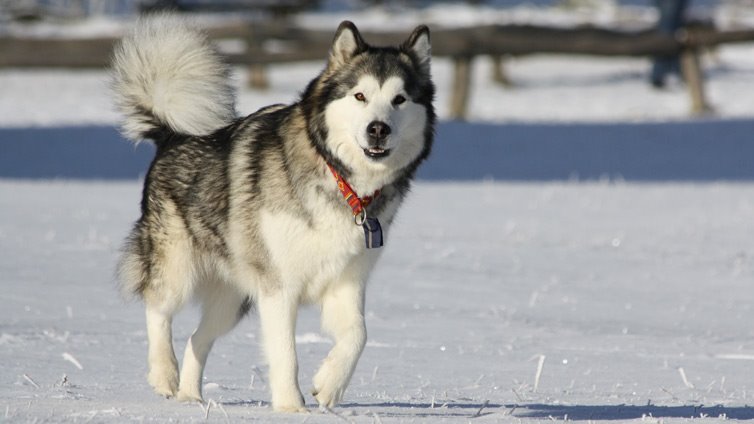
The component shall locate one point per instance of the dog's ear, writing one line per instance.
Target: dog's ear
(347, 43)
(418, 43)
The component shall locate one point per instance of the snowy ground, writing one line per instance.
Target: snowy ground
(637, 297)
(494, 301)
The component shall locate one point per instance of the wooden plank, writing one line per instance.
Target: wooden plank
(302, 44)
(31, 53)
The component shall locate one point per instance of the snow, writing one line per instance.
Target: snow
(510, 290)
(458, 14)
(615, 288)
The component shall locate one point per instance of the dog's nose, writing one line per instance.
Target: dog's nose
(378, 130)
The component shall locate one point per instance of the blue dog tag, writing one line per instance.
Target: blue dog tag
(372, 232)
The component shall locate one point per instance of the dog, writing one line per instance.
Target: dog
(285, 207)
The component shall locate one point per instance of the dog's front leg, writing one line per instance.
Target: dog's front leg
(343, 319)
(277, 313)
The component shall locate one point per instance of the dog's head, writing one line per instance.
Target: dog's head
(370, 111)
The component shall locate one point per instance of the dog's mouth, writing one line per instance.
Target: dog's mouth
(376, 152)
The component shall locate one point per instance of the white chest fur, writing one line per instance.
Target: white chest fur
(310, 254)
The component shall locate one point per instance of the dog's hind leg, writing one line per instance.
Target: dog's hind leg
(222, 308)
(170, 286)
(342, 318)
(163, 367)
(141, 274)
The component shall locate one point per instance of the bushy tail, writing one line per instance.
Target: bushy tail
(168, 78)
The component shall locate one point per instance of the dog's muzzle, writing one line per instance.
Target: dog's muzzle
(377, 134)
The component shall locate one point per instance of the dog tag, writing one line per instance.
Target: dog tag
(372, 232)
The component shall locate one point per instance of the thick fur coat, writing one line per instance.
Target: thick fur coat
(246, 211)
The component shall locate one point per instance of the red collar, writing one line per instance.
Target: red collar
(356, 203)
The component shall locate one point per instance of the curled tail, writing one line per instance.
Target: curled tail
(168, 78)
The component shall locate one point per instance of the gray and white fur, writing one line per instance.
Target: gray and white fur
(245, 211)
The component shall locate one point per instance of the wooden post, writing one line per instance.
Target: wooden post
(461, 85)
(498, 71)
(692, 73)
(258, 77)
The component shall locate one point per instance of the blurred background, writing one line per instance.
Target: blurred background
(536, 89)
(578, 245)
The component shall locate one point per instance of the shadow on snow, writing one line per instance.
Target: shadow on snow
(542, 411)
(682, 151)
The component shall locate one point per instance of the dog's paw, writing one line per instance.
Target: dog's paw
(189, 390)
(187, 396)
(291, 409)
(290, 404)
(164, 382)
(328, 387)
(328, 399)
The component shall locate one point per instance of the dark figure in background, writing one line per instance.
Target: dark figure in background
(671, 18)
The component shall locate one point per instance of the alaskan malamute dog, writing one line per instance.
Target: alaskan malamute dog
(284, 207)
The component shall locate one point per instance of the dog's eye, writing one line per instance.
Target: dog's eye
(399, 100)
(360, 97)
